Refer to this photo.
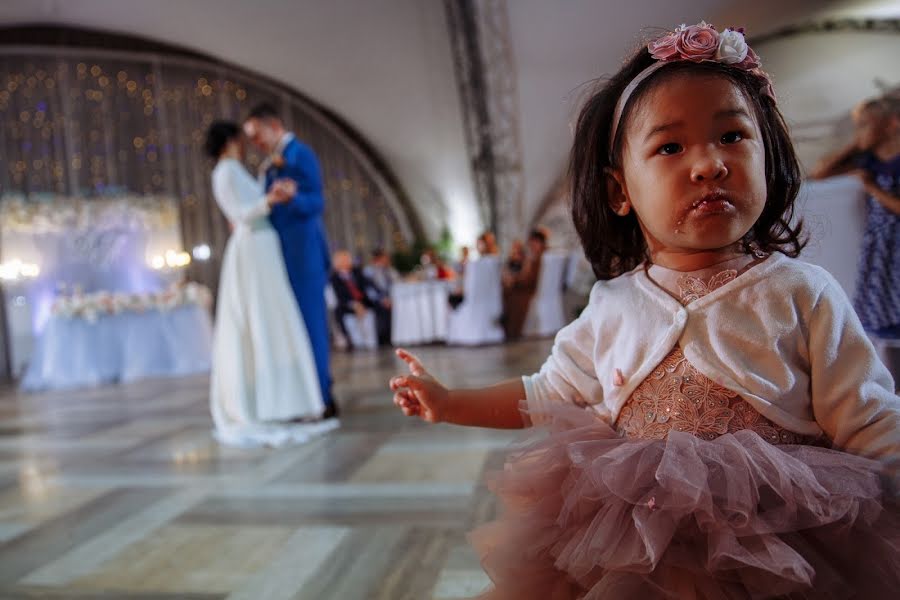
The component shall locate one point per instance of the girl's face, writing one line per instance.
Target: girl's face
(693, 166)
(872, 128)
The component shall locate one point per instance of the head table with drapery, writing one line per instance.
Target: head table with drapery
(93, 291)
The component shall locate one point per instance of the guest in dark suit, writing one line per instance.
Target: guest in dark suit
(356, 294)
(383, 275)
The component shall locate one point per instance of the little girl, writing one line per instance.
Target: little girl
(719, 424)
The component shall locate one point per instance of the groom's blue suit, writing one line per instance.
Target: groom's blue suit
(305, 247)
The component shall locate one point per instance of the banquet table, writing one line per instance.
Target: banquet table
(120, 348)
(419, 312)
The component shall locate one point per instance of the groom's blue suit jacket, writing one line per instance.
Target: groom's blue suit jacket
(305, 246)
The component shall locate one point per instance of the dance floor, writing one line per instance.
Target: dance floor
(121, 493)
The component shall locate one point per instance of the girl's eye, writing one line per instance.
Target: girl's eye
(732, 137)
(671, 148)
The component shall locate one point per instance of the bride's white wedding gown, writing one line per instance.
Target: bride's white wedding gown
(263, 370)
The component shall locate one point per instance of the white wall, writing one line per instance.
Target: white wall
(833, 212)
(819, 77)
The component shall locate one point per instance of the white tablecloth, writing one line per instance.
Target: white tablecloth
(419, 312)
(74, 352)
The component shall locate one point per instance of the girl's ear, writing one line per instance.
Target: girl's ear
(617, 192)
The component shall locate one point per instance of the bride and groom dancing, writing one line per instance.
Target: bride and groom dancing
(270, 382)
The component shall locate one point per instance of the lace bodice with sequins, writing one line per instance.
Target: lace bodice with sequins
(676, 396)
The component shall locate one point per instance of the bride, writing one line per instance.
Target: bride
(264, 388)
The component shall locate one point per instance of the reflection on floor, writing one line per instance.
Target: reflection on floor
(121, 492)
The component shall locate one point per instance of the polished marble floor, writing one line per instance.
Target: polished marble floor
(122, 493)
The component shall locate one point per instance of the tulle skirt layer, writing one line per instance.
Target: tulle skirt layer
(588, 514)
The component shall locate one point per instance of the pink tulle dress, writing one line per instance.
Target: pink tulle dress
(692, 493)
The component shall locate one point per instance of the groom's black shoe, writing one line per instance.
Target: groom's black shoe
(331, 411)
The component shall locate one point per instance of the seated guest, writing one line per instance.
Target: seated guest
(381, 273)
(460, 266)
(456, 295)
(519, 289)
(434, 266)
(487, 244)
(426, 268)
(516, 258)
(357, 295)
(444, 273)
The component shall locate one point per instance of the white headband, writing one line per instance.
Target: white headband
(623, 99)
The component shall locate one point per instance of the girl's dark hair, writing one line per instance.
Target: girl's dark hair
(218, 135)
(614, 244)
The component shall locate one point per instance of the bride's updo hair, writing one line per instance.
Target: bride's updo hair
(218, 135)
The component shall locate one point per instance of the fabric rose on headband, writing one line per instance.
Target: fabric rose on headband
(688, 42)
(664, 48)
(732, 48)
(697, 42)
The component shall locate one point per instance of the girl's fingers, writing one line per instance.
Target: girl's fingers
(405, 400)
(403, 397)
(404, 381)
(415, 365)
(403, 386)
(407, 381)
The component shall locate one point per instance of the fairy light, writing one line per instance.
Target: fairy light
(201, 252)
(16, 269)
(172, 259)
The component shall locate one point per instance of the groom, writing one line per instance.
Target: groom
(300, 228)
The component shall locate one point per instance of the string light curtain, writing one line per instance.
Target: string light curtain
(78, 123)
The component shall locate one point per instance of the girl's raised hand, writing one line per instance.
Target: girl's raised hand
(419, 393)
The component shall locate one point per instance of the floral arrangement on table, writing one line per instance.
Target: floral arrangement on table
(94, 305)
(50, 213)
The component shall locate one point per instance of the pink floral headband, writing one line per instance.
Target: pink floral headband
(695, 43)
